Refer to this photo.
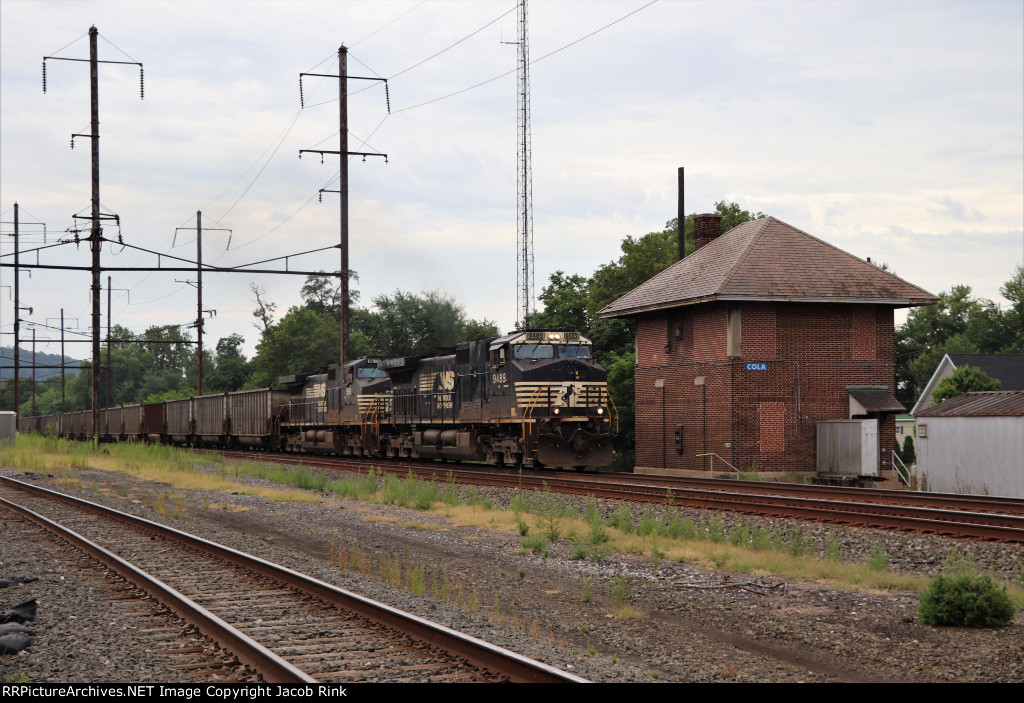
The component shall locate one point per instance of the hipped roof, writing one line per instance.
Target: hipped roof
(769, 260)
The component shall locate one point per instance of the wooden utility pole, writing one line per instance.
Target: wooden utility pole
(17, 318)
(107, 403)
(343, 153)
(62, 360)
(95, 229)
(33, 371)
(199, 298)
(343, 186)
(199, 324)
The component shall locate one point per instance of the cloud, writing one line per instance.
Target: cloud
(958, 211)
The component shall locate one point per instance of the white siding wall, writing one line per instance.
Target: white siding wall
(979, 455)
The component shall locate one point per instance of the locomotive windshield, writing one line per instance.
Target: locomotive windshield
(533, 351)
(573, 351)
(548, 351)
(370, 372)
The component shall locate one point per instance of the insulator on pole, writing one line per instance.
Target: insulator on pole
(302, 100)
(44, 75)
(142, 84)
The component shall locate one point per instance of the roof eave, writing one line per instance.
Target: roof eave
(894, 302)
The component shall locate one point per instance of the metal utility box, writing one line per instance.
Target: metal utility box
(8, 425)
(848, 447)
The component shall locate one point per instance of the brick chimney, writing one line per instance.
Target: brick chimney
(706, 228)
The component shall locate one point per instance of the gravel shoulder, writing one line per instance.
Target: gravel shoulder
(555, 609)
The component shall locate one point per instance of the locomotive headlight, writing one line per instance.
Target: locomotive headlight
(555, 411)
(554, 336)
(600, 411)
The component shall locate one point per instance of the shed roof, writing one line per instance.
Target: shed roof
(768, 259)
(875, 399)
(977, 404)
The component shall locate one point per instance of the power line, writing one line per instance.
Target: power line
(534, 61)
(451, 46)
(419, 63)
(386, 26)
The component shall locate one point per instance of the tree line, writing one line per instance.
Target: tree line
(161, 363)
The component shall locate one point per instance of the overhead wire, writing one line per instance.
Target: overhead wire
(418, 63)
(451, 46)
(389, 23)
(277, 143)
(534, 61)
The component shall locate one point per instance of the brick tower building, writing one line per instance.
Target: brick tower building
(762, 332)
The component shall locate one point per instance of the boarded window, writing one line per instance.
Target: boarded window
(735, 338)
(773, 427)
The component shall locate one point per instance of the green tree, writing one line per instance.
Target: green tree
(406, 323)
(1013, 319)
(621, 386)
(321, 294)
(643, 258)
(965, 379)
(908, 454)
(959, 324)
(476, 330)
(230, 368)
(308, 337)
(565, 301)
(303, 340)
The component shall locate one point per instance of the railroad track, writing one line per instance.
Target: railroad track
(977, 517)
(287, 626)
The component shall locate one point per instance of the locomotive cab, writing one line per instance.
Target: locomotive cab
(363, 394)
(558, 393)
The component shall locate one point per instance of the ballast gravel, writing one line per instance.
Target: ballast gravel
(681, 624)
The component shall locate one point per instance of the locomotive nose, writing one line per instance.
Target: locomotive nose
(581, 445)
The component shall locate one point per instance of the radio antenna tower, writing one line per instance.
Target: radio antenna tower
(524, 227)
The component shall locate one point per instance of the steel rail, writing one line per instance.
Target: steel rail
(273, 668)
(961, 523)
(477, 652)
(951, 501)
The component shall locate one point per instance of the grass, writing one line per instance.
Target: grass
(663, 536)
(181, 469)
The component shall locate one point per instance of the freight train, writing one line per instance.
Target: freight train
(530, 398)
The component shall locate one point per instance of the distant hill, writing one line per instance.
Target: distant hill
(25, 358)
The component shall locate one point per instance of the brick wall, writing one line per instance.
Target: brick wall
(806, 355)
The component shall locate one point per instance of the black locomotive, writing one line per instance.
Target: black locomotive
(533, 397)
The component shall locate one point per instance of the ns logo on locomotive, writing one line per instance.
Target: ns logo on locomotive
(530, 398)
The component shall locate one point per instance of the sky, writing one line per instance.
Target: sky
(893, 130)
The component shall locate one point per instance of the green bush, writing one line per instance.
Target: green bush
(965, 600)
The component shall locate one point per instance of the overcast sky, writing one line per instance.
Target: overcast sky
(892, 130)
